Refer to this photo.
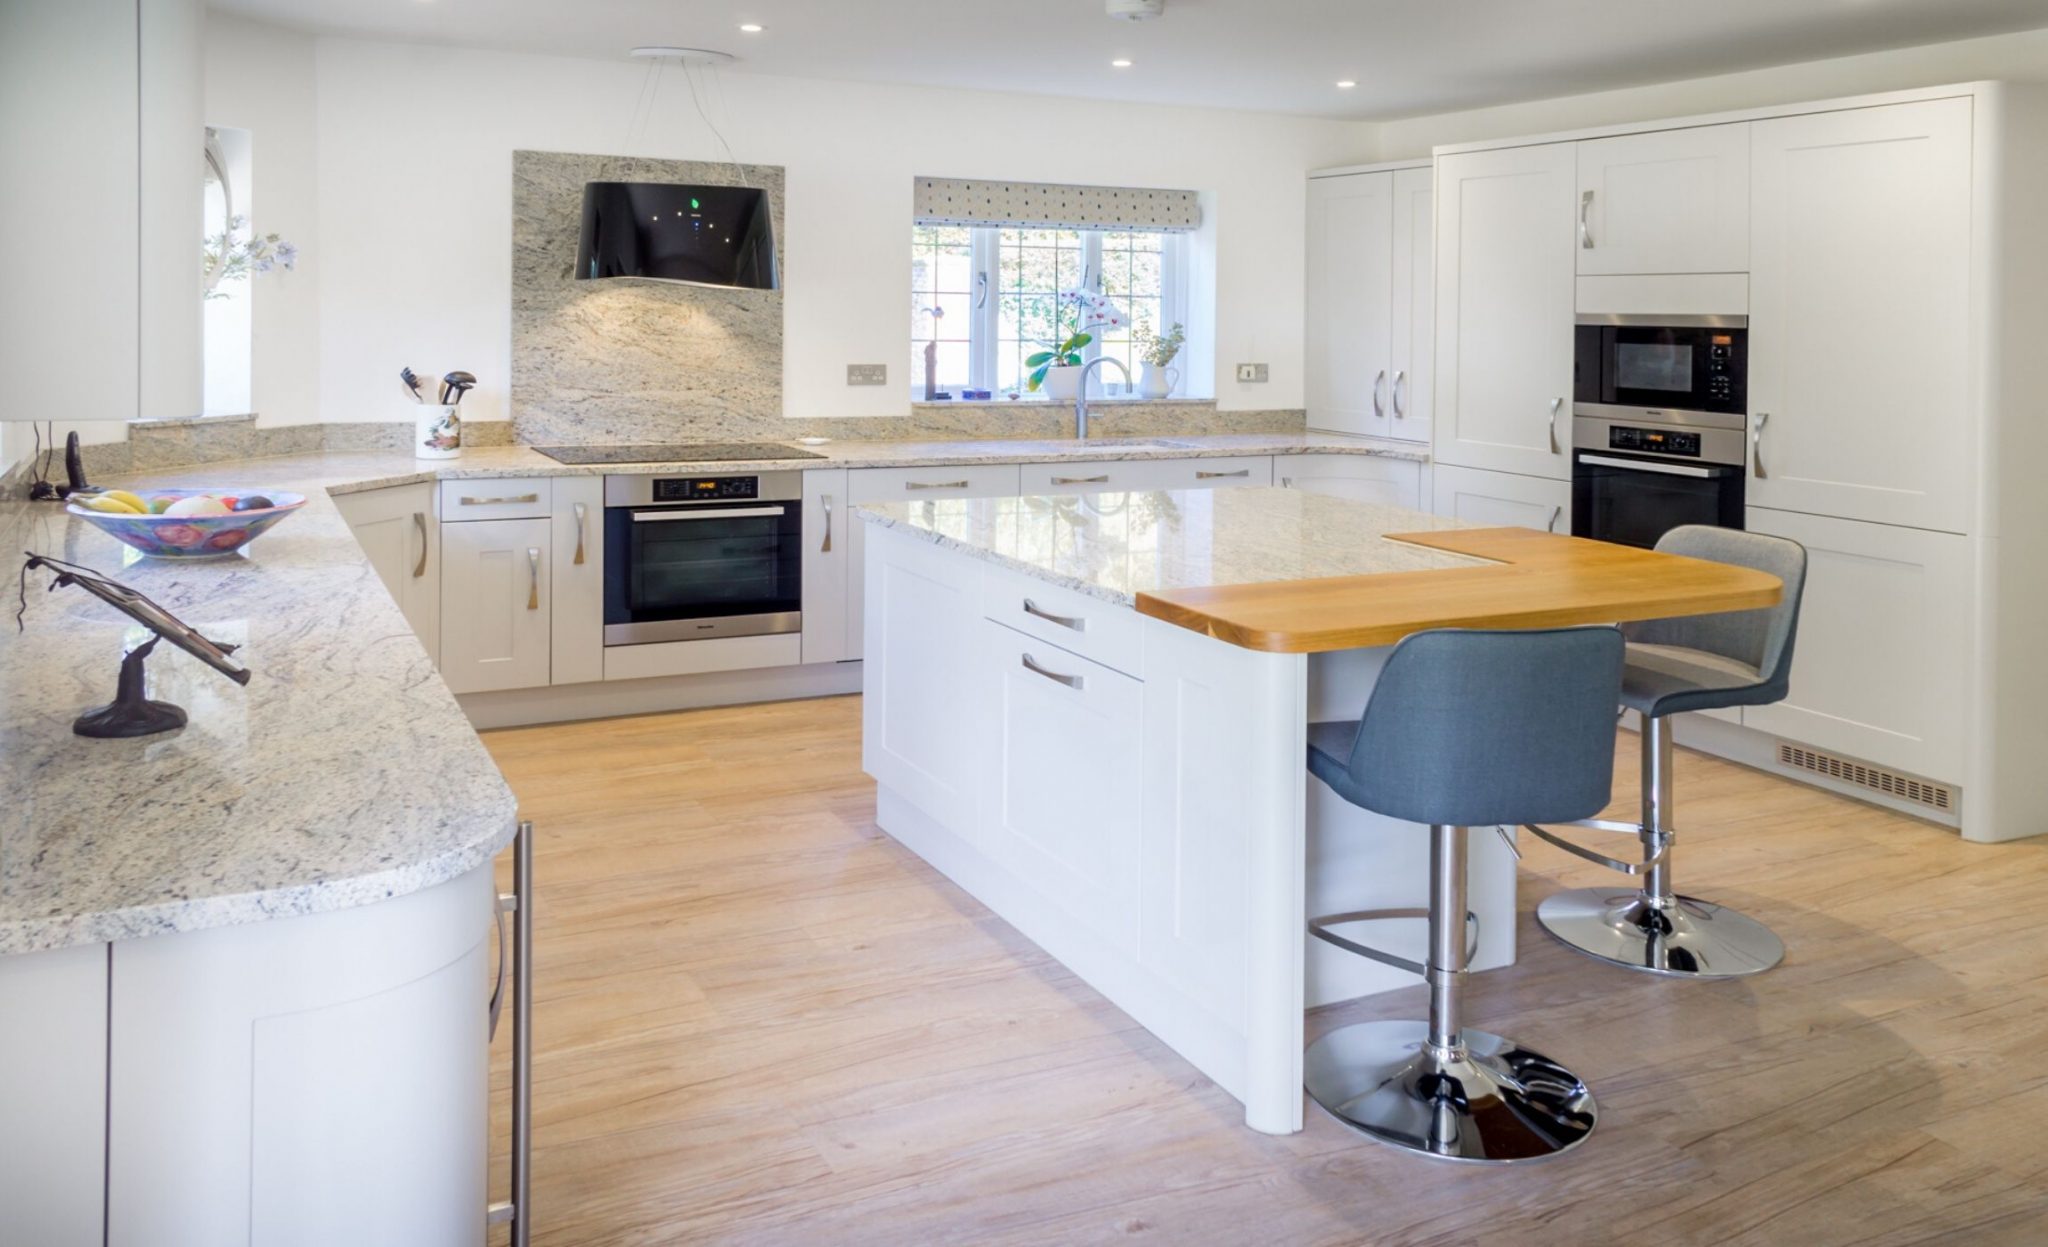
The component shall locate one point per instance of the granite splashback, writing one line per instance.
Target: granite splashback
(634, 361)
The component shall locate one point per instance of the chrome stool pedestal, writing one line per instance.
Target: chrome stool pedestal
(1436, 1087)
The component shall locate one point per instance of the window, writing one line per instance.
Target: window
(988, 296)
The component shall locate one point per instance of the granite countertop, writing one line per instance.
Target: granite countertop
(501, 461)
(1115, 546)
(344, 773)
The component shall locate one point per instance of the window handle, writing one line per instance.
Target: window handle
(981, 289)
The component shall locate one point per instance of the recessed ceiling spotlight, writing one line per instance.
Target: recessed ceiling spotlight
(1121, 62)
(750, 28)
(1345, 84)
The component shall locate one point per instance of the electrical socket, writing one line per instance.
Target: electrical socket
(1251, 372)
(867, 374)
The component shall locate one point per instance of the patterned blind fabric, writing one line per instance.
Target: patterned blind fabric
(1044, 205)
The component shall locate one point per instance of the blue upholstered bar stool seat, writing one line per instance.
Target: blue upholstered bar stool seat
(1464, 729)
(1699, 662)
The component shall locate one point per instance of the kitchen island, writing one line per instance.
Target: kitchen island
(1092, 712)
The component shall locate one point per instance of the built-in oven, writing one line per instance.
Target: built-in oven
(1689, 370)
(1634, 481)
(689, 558)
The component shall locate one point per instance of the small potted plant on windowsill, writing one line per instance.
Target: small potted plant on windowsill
(1058, 371)
(1157, 377)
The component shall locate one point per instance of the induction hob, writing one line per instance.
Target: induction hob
(675, 452)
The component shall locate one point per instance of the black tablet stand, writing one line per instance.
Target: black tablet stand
(131, 713)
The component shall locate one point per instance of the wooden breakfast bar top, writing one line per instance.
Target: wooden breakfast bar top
(1531, 580)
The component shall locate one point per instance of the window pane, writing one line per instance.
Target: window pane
(1145, 274)
(955, 270)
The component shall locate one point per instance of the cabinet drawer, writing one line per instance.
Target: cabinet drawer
(1086, 476)
(496, 498)
(1210, 473)
(981, 480)
(1103, 631)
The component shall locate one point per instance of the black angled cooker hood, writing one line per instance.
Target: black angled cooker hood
(658, 231)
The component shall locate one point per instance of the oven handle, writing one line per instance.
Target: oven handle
(1666, 469)
(706, 513)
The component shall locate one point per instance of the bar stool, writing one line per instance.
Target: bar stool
(1464, 729)
(1699, 662)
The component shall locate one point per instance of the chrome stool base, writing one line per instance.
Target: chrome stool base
(1686, 938)
(1494, 1102)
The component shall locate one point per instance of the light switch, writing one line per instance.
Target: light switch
(1251, 372)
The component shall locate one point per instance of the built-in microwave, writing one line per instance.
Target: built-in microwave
(1684, 370)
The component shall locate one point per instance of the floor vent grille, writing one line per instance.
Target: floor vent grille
(1906, 788)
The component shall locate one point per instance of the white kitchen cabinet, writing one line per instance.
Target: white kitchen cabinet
(1222, 472)
(1144, 474)
(981, 480)
(1860, 384)
(1060, 779)
(1502, 499)
(1505, 295)
(1884, 644)
(496, 578)
(828, 553)
(401, 535)
(1350, 289)
(53, 1097)
(1670, 201)
(576, 626)
(1361, 478)
(1410, 389)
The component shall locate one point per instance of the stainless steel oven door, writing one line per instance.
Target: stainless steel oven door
(696, 571)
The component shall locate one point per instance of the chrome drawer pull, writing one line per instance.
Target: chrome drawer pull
(1081, 480)
(1378, 409)
(1214, 476)
(1075, 682)
(500, 502)
(935, 484)
(1076, 622)
(419, 521)
(1400, 375)
(1555, 514)
(533, 578)
(582, 510)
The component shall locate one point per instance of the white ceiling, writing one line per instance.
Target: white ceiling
(1407, 56)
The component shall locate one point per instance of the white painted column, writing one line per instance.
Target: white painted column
(1276, 864)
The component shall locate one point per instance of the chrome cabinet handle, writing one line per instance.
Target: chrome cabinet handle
(1762, 418)
(533, 578)
(1378, 409)
(1400, 375)
(1585, 230)
(1076, 622)
(1075, 682)
(826, 499)
(1287, 482)
(518, 902)
(1556, 405)
(419, 521)
(1081, 480)
(1217, 476)
(1556, 513)
(935, 484)
(499, 502)
(582, 510)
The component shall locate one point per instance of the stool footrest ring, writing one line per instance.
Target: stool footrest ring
(1600, 824)
(1319, 927)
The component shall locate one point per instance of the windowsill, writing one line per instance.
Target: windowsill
(1039, 400)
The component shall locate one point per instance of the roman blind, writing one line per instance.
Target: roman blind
(1047, 205)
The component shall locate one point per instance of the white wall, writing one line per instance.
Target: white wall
(261, 79)
(173, 140)
(415, 173)
(2019, 57)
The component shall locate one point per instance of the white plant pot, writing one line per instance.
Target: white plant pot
(437, 434)
(1062, 384)
(1157, 381)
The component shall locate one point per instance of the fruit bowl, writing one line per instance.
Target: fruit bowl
(197, 530)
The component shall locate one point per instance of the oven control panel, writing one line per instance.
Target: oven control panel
(706, 488)
(1654, 441)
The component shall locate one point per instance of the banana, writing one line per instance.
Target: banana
(112, 505)
(133, 500)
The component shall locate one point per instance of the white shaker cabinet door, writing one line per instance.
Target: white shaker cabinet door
(1502, 499)
(828, 552)
(935, 484)
(1410, 389)
(1859, 380)
(1673, 201)
(401, 535)
(1349, 342)
(1883, 651)
(495, 587)
(1506, 296)
(576, 621)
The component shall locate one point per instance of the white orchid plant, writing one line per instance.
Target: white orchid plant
(1091, 310)
(232, 255)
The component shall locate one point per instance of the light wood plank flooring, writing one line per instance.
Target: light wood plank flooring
(760, 1020)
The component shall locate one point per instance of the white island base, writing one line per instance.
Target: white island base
(1134, 797)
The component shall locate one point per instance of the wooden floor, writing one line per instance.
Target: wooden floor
(762, 1021)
